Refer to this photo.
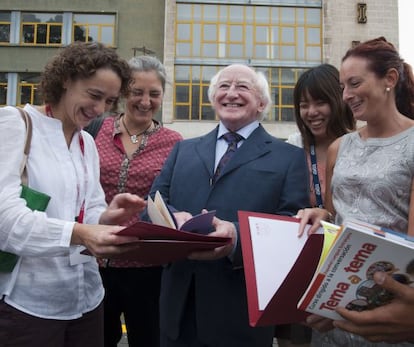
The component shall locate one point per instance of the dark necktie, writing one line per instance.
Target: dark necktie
(232, 140)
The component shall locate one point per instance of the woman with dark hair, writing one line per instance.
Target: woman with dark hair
(53, 295)
(321, 117)
(371, 171)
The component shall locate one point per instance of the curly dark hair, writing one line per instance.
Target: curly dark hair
(322, 83)
(80, 60)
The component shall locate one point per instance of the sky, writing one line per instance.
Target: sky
(406, 26)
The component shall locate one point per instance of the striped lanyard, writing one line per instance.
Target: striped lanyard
(316, 183)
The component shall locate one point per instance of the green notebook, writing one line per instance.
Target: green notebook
(35, 201)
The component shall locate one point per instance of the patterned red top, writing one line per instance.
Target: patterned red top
(121, 174)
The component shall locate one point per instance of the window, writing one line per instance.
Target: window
(317, 3)
(288, 34)
(192, 82)
(41, 29)
(3, 89)
(27, 89)
(281, 82)
(279, 40)
(47, 28)
(191, 85)
(94, 27)
(5, 22)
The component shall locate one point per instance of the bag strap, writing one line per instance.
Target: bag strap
(28, 122)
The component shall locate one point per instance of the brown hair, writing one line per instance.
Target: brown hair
(80, 60)
(322, 83)
(382, 56)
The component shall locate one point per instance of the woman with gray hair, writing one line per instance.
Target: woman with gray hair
(132, 147)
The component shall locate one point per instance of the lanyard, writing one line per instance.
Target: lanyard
(81, 214)
(316, 184)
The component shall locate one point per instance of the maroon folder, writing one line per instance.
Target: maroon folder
(160, 245)
(282, 307)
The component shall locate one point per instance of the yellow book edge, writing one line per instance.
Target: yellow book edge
(330, 232)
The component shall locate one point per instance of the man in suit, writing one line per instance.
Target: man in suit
(203, 299)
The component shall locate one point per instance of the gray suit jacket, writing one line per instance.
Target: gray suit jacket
(265, 175)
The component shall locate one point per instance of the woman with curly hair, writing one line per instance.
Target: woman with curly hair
(53, 294)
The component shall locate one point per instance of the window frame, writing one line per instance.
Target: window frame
(86, 26)
(274, 62)
(37, 27)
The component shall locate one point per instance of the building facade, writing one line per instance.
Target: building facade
(194, 39)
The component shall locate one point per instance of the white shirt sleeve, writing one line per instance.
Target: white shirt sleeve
(23, 231)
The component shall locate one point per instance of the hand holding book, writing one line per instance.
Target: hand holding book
(376, 325)
(345, 277)
(317, 275)
(161, 242)
(204, 223)
(224, 229)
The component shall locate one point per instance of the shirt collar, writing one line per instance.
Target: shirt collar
(245, 131)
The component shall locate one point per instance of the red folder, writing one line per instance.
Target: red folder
(160, 245)
(282, 307)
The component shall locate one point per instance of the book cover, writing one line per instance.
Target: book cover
(278, 266)
(345, 278)
(160, 242)
(161, 245)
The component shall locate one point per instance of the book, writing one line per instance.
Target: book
(160, 214)
(160, 245)
(345, 277)
(278, 266)
(160, 242)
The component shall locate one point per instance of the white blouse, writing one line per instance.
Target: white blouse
(44, 283)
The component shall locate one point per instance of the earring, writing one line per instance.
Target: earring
(387, 89)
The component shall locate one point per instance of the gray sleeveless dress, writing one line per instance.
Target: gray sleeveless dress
(371, 182)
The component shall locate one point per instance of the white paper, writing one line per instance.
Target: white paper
(158, 211)
(276, 246)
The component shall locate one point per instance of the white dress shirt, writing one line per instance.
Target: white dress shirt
(221, 144)
(44, 283)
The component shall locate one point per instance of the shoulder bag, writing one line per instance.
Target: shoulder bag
(35, 200)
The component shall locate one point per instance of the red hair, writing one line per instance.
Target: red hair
(382, 56)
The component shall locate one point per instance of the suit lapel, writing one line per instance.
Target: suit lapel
(254, 147)
(206, 149)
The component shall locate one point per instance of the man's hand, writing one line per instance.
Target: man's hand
(181, 218)
(222, 229)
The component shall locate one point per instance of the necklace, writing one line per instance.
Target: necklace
(134, 138)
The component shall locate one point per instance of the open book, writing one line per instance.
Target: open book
(345, 278)
(160, 242)
(287, 277)
(160, 214)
